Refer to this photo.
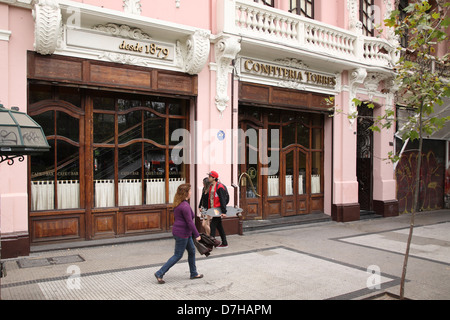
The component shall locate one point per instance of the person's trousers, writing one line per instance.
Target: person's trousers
(216, 223)
(181, 244)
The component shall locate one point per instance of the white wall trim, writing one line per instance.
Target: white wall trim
(4, 35)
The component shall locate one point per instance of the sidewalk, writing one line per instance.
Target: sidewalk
(325, 260)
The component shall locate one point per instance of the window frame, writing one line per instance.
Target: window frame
(367, 18)
(299, 10)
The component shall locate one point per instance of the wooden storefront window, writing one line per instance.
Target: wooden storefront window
(110, 170)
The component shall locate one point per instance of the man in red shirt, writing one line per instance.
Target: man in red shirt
(216, 199)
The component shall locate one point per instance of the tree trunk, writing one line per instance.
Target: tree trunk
(415, 207)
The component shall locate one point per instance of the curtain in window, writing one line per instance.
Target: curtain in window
(43, 195)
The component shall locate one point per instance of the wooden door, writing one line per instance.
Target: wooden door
(364, 161)
(296, 184)
(250, 173)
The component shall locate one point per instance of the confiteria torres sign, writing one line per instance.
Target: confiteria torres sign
(286, 73)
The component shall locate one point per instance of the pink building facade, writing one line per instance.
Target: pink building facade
(137, 98)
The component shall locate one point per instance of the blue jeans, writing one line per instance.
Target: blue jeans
(181, 244)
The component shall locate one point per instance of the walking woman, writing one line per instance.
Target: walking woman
(183, 230)
(206, 220)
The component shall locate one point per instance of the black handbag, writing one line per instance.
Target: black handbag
(209, 240)
(202, 249)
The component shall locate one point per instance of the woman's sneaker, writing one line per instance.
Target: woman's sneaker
(222, 246)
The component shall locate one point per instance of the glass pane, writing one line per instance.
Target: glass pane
(104, 160)
(158, 106)
(130, 126)
(33, 137)
(251, 160)
(9, 136)
(302, 173)
(154, 127)
(46, 121)
(104, 128)
(42, 180)
(272, 134)
(274, 115)
(39, 92)
(67, 126)
(130, 169)
(273, 185)
(125, 104)
(71, 95)
(316, 119)
(68, 176)
(178, 107)
(303, 135)
(154, 173)
(289, 174)
(104, 103)
(177, 176)
(173, 125)
(316, 168)
(288, 134)
(317, 139)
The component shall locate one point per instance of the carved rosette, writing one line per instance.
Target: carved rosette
(226, 51)
(48, 27)
(196, 51)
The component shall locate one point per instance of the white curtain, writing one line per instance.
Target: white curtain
(43, 195)
(289, 185)
(130, 192)
(300, 184)
(273, 186)
(68, 194)
(104, 193)
(173, 186)
(155, 191)
(315, 183)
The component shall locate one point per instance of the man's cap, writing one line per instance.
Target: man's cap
(213, 174)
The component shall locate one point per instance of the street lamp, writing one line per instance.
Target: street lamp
(20, 135)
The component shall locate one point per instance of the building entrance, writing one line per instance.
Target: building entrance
(283, 170)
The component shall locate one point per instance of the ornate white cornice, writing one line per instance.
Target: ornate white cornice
(48, 27)
(226, 50)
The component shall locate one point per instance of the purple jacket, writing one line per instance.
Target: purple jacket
(183, 225)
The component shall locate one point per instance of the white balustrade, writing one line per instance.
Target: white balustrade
(246, 18)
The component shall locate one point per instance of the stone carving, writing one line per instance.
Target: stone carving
(292, 62)
(226, 50)
(354, 23)
(122, 31)
(132, 6)
(195, 52)
(357, 78)
(48, 26)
